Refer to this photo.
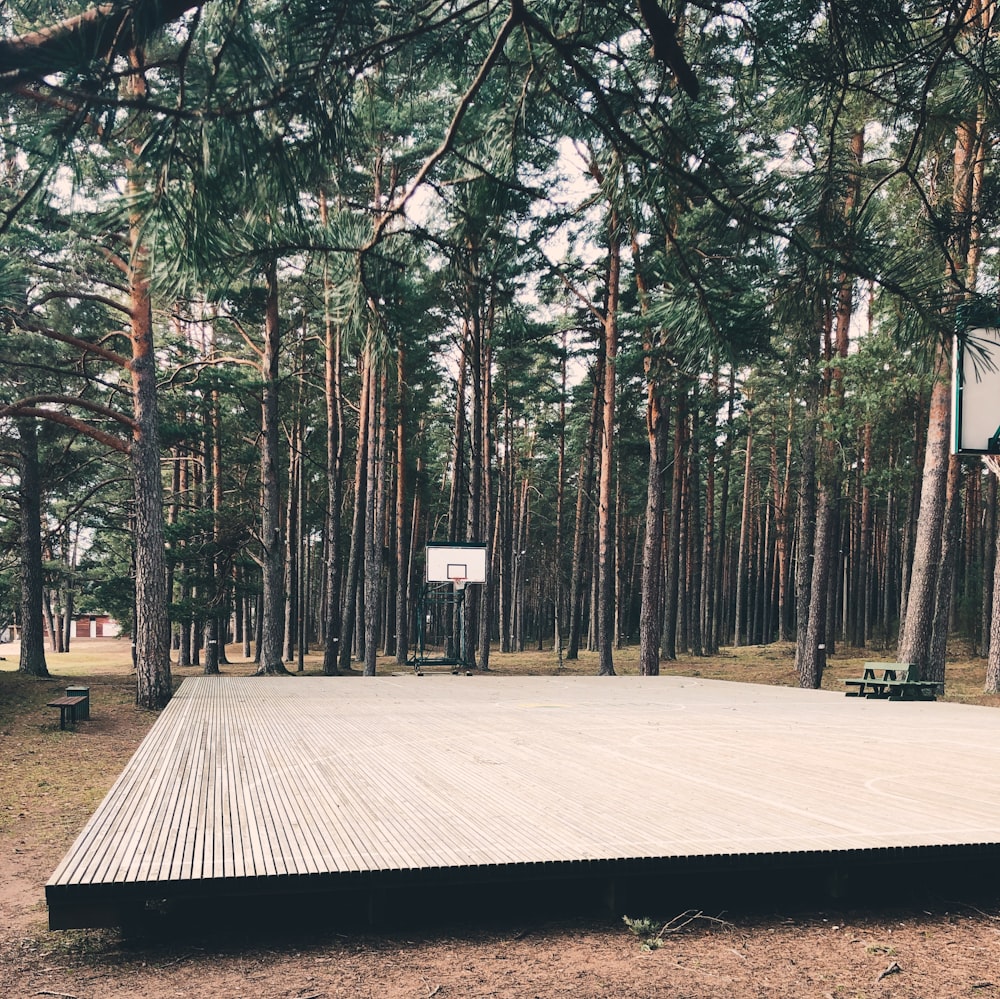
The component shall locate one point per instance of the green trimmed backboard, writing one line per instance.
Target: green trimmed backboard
(975, 387)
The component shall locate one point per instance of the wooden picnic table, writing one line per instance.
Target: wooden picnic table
(893, 681)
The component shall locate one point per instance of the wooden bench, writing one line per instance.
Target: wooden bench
(893, 681)
(67, 708)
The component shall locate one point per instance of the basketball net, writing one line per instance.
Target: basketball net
(992, 462)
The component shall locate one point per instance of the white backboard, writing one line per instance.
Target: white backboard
(975, 388)
(446, 562)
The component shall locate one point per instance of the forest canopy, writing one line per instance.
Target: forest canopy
(655, 299)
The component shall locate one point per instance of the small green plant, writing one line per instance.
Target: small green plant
(649, 931)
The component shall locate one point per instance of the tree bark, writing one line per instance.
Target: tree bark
(743, 556)
(578, 579)
(32, 658)
(915, 640)
(399, 515)
(695, 565)
(651, 607)
(557, 555)
(290, 630)
(721, 558)
(152, 629)
(486, 602)
(992, 685)
(989, 566)
(334, 476)
(272, 547)
(812, 660)
(605, 532)
(375, 492)
(356, 555)
(935, 667)
(806, 531)
(708, 605)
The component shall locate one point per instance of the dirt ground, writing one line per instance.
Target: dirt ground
(50, 781)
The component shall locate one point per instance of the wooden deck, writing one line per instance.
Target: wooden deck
(249, 786)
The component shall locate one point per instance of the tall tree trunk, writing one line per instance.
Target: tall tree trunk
(486, 590)
(813, 659)
(399, 515)
(578, 577)
(915, 640)
(458, 471)
(557, 555)
(806, 533)
(863, 584)
(334, 475)
(935, 667)
(272, 547)
(989, 566)
(291, 567)
(912, 512)
(213, 587)
(606, 526)
(651, 608)
(652, 586)
(992, 685)
(930, 594)
(375, 492)
(672, 563)
(181, 487)
(152, 628)
(780, 487)
(709, 550)
(355, 558)
(477, 358)
(696, 644)
(743, 556)
(214, 634)
(416, 533)
(32, 658)
(722, 618)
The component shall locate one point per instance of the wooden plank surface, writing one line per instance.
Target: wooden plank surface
(248, 777)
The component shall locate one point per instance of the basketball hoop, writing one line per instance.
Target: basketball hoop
(459, 582)
(992, 462)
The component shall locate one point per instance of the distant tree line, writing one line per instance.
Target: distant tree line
(656, 300)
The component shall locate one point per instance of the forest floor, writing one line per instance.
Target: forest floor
(51, 781)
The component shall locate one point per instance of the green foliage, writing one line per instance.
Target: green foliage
(292, 132)
(647, 930)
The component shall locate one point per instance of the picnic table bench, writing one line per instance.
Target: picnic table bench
(893, 681)
(67, 708)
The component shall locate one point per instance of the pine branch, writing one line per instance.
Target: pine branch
(25, 323)
(666, 48)
(99, 409)
(57, 416)
(84, 297)
(514, 18)
(101, 33)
